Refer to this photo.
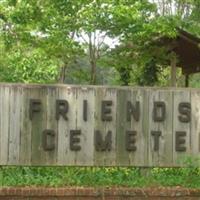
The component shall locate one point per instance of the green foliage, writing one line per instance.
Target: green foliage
(148, 74)
(31, 67)
(186, 177)
(54, 29)
(96, 176)
(195, 80)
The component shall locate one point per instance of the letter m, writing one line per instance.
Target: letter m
(103, 144)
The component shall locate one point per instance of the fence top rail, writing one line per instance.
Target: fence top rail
(69, 86)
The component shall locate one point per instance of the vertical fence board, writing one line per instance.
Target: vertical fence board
(14, 125)
(65, 155)
(145, 128)
(39, 124)
(25, 127)
(179, 157)
(141, 135)
(195, 127)
(98, 156)
(4, 119)
(122, 125)
(164, 155)
(52, 124)
(86, 155)
(106, 158)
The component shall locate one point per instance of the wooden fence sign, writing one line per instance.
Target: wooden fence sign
(65, 125)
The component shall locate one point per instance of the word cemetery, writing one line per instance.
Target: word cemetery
(63, 125)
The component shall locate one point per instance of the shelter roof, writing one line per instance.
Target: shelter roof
(187, 48)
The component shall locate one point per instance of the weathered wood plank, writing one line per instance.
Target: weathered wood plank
(4, 126)
(160, 116)
(122, 125)
(52, 125)
(140, 156)
(181, 129)
(144, 141)
(25, 127)
(39, 124)
(15, 101)
(85, 123)
(195, 127)
(105, 126)
(65, 155)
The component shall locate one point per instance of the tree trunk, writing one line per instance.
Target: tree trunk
(93, 72)
(187, 80)
(92, 55)
(173, 71)
(61, 78)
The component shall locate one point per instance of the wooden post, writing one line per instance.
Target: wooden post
(173, 71)
(187, 80)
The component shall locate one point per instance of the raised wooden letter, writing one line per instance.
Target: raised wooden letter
(62, 108)
(106, 111)
(130, 140)
(156, 135)
(185, 111)
(35, 106)
(103, 145)
(74, 139)
(133, 110)
(48, 140)
(180, 141)
(159, 111)
(85, 105)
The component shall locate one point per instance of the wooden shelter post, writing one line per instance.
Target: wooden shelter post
(173, 71)
(186, 80)
(184, 53)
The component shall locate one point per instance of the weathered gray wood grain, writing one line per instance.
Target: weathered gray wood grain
(180, 157)
(85, 156)
(21, 137)
(65, 155)
(195, 128)
(25, 127)
(4, 119)
(122, 125)
(39, 124)
(52, 124)
(15, 106)
(106, 158)
(164, 155)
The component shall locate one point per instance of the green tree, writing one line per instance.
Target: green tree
(137, 24)
(55, 34)
(48, 26)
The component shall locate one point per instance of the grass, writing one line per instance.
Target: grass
(96, 176)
